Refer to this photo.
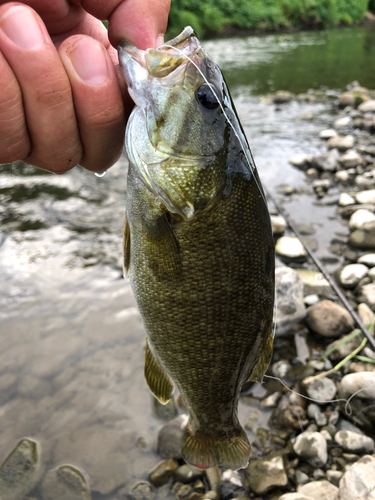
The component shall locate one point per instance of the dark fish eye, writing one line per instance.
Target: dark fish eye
(205, 96)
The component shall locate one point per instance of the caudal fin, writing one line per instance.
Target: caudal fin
(209, 450)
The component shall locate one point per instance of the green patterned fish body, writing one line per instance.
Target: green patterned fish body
(198, 244)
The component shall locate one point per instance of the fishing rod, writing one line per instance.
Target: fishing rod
(325, 273)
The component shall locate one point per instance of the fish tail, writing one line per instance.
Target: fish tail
(209, 450)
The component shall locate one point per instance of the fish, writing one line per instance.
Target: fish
(198, 245)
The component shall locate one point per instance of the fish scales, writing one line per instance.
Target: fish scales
(204, 284)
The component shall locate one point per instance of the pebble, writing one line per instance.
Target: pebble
(301, 477)
(281, 368)
(353, 442)
(364, 237)
(366, 197)
(187, 474)
(371, 274)
(291, 248)
(142, 491)
(290, 304)
(346, 99)
(329, 319)
(162, 473)
(66, 483)
(334, 476)
(322, 390)
(368, 295)
(368, 259)
(312, 447)
(365, 382)
(363, 181)
(210, 495)
(351, 275)
(313, 411)
(343, 122)
(320, 490)
(365, 313)
(314, 282)
(21, 470)
(170, 437)
(278, 224)
(367, 107)
(327, 436)
(346, 200)
(294, 496)
(359, 218)
(327, 133)
(263, 475)
(300, 161)
(358, 483)
(351, 159)
(271, 401)
(341, 142)
(311, 299)
(327, 161)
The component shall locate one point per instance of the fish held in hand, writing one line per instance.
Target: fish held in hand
(198, 243)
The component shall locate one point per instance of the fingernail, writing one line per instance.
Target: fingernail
(159, 40)
(89, 61)
(22, 27)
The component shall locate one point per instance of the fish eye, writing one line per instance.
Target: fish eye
(206, 97)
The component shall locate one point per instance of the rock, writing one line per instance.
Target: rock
(368, 295)
(341, 142)
(329, 319)
(348, 211)
(371, 274)
(346, 99)
(314, 282)
(327, 133)
(364, 237)
(278, 224)
(327, 161)
(363, 382)
(142, 491)
(170, 437)
(263, 475)
(359, 481)
(183, 491)
(281, 368)
(290, 305)
(352, 274)
(359, 218)
(272, 400)
(294, 496)
(313, 412)
(346, 200)
(301, 477)
(300, 161)
(290, 248)
(351, 159)
(162, 473)
(343, 122)
(21, 470)
(366, 197)
(342, 175)
(320, 490)
(367, 107)
(210, 495)
(334, 476)
(322, 390)
(353, 442)
(311, 447)
(65, 483)
(311, 299)
(231, 485)
(187, 474)
(282, 97)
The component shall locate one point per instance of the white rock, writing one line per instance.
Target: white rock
(345, 199)
(368, 295)
(364, 382)
(300, 161)
(320, 490)
(294, 496)
(279, 224)
(327, 133)
(354, 442)
(371, 274)
(290, 305)
(327, 161)
(368, 259)
(343, 122)
(342, 175)
(263, 475)
(366, 197)
(341, 142)
(365, 314)
(312, 447)
(352, 274)
(358, 483)
(363, 181)
(367, 107)
(290, 247)
(351, 159)
(311, 299)
(359, 218)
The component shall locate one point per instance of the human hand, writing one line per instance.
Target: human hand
(62, 100)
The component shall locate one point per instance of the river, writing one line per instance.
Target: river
(72, 341)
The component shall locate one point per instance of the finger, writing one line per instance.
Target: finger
(98, 101)
(45, 87)
(14, 138)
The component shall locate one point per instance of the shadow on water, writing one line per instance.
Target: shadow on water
(71, 358)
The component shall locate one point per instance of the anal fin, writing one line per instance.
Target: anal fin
(158, 381)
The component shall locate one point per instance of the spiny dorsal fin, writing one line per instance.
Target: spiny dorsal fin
(126, 240)
(158, 381)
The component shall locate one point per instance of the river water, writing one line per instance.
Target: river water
(71, 356)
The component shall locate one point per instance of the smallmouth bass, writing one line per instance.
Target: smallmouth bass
(198, 243)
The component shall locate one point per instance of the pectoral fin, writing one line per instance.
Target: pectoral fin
(126, 241)
(263, 358)
(158, 381)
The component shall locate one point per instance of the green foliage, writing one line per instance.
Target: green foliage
(371, 5)
(214, 15)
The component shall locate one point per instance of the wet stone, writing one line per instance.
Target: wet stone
(170, 437)
(320, 490)
(312, 447)
(359, 481)
(346, 200)
(364, 237)
(21, 470)
(366, 197)
(65, 483)
(264, 475)
(353, 442)
(351, 275)
(291, 248)
(184, 491)
(142, 491)
(188, 474)
(162, 473)
(359, 218)
(329, 319)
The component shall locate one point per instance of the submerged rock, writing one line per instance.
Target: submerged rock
(358, 483)
(311, 447)
(162, 473)
(329, 319)
(290, 304)
(263, 475)
(65, 483)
